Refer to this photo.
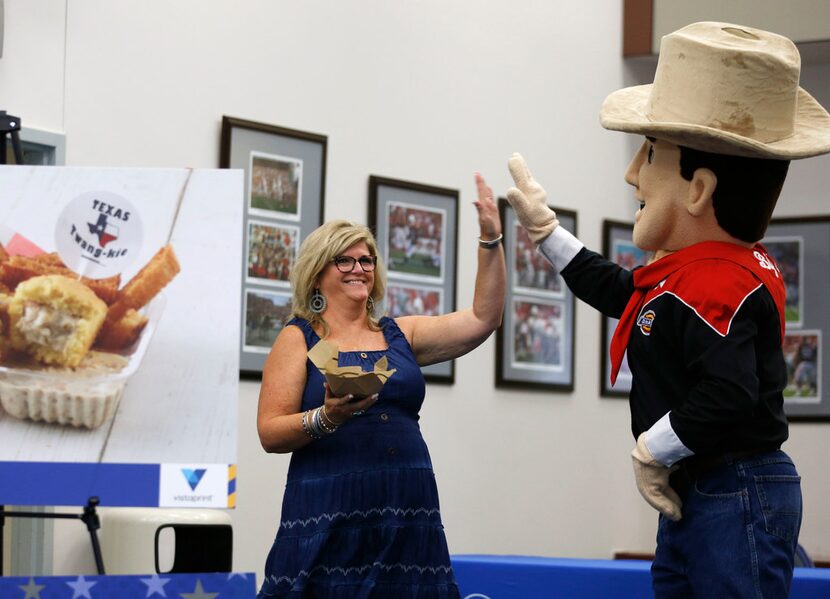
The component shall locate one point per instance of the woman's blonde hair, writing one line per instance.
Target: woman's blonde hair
(316, 252)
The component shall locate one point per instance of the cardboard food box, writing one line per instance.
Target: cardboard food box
(345, 380)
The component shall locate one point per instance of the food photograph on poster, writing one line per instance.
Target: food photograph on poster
(106, 370)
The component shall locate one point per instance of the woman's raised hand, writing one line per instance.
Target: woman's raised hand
(488, 211)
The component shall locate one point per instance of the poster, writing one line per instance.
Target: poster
(168, 437)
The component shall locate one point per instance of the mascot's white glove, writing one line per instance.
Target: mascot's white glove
(653, 481)
(529, 201)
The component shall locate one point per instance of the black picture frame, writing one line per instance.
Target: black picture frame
(285, 183)
(618, 246)
(416, 228)
(535, 345)
(800, 247)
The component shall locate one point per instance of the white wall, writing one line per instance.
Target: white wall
(426, 91)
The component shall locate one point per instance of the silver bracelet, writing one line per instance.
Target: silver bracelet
(307, 425)
(489, 244)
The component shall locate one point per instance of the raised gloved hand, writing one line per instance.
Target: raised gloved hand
(653, 481)
(529, 201)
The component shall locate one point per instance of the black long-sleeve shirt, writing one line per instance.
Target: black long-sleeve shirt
(723, 391)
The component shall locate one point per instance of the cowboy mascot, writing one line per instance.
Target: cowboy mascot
(703, 322)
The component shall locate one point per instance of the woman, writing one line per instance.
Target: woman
(360, 513)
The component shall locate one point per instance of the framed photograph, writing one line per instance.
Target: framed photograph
(801, 249)
(617, 246)
(789, 256)
(265, 314)
(535, 344)
(802, 353)
(276, 186)
(416, 227)
(403, 299)
(284, 195)
(272, 249)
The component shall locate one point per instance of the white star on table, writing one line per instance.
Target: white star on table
(242, 575)
(155, 585)
(198, 593)
(81, 588)
(32, 589)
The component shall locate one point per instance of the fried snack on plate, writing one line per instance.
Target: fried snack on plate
(17, 269)
(4, 255)
(54, 319)
(123, 333)
(144, 286)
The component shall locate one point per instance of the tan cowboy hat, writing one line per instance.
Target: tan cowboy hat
(725, 89)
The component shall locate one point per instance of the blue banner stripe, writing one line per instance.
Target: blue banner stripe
(70, 483)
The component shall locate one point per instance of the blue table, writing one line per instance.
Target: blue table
(518, 577)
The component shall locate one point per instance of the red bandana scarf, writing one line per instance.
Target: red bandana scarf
(646, 278)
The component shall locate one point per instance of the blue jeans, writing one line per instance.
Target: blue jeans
(738, 534)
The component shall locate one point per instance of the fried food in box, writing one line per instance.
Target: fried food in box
(49, 318)
(345, 380)
(54, 319)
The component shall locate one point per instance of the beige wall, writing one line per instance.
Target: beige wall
(426, 91)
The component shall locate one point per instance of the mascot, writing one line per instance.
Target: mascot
(703, 322)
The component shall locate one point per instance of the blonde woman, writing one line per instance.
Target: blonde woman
(360, 514)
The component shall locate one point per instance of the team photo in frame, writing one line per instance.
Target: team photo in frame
(404, 299)
(788, 253)
(535, 343)
(276, 186)
(800, 247)
(416, 228)
(272, 249)
(265, 314)
(285, 181)
(618, 246)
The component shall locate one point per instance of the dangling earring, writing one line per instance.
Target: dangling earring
(370, 305)
(317, 304)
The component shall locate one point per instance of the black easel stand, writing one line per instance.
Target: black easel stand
(88, 517)
(10, 126)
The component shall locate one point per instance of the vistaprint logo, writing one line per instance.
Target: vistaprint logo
(194, 484)
(98, 234)
(193, 476)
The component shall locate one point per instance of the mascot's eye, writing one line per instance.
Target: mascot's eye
(650, 154)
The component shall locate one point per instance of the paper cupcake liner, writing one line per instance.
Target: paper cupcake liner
(59, 406)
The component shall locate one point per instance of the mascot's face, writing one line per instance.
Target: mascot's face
(660, 223)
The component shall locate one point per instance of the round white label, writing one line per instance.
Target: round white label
(98, 234)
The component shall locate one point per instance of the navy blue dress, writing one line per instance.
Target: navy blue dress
(360, 513)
